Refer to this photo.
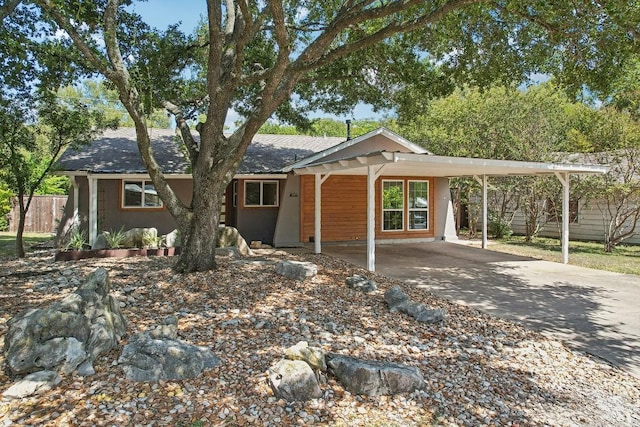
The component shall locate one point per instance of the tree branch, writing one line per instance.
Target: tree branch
(81, 44)
(308, 61)
(185, 132)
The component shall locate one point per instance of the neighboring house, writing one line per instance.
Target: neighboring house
(589, 218)
(378, 186)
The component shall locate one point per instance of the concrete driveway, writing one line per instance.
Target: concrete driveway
(594, 311)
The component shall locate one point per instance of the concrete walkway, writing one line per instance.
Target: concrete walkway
(591, 310)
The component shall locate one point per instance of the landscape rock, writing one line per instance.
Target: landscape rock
(139, 237)
(35, 383)
(171, 240)
(314, 356)
(69, 333)
(293, 380)
(395, 299)
(398, 301)
(372, 378)
(101, 241)
(361, 283)
(297, 270)
(228, 252)
(230, 236)
(158, 355)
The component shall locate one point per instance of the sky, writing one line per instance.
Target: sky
(162, 13)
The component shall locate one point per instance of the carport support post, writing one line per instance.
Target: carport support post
(485, 210)
(318, 215)
(484, 182)
(565, 181)
(317, 234)
(93, 209)
(371, 219)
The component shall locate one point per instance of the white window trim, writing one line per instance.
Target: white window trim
(410, 209)
(143, 183)
(402, 210)
(261, 182)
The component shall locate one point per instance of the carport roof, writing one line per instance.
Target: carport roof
(413, 164)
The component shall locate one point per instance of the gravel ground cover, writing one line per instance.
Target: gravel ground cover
(480, 370)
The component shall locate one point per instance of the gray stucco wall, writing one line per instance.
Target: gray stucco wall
(257, 223)
(445, 221)
(110, 214)
(287, 231)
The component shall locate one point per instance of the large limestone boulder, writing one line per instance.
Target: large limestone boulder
(297, 270)
(374, 378)
(68, 335)
(139, 237)
(293, 380)
(158, 355)
(230, 236)
(171, 240)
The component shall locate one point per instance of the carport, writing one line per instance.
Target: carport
(373, 165)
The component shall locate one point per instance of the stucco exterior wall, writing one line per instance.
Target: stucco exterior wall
(287, 231)
(257, 223)
(111, 215)
(445, 220)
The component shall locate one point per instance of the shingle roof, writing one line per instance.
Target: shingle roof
(116, 151)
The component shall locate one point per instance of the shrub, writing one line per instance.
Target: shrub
(498, 227)
(77, 240)
(115, 238)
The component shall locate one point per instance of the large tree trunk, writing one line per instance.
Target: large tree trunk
(199, 239)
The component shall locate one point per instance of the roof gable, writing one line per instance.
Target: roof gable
(364, 144)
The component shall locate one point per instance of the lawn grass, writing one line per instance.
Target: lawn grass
(8, 242)
(623, 259)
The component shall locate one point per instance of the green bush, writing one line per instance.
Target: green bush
(499, 228)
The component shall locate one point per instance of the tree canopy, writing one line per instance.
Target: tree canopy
(282, 59)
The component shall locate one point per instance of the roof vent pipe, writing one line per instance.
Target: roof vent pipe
(348, 122)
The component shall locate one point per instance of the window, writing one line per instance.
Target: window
(392, 205)
(139, 194)
(554, 213)
(418, 204)
(260, 193)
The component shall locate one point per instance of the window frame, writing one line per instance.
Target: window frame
(143, 184)
(554, 215)
(425, 209)
(401, 210)
(262, 182)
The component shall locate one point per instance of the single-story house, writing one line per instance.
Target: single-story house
(292, 190)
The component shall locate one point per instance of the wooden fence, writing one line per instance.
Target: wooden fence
(43, 215)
